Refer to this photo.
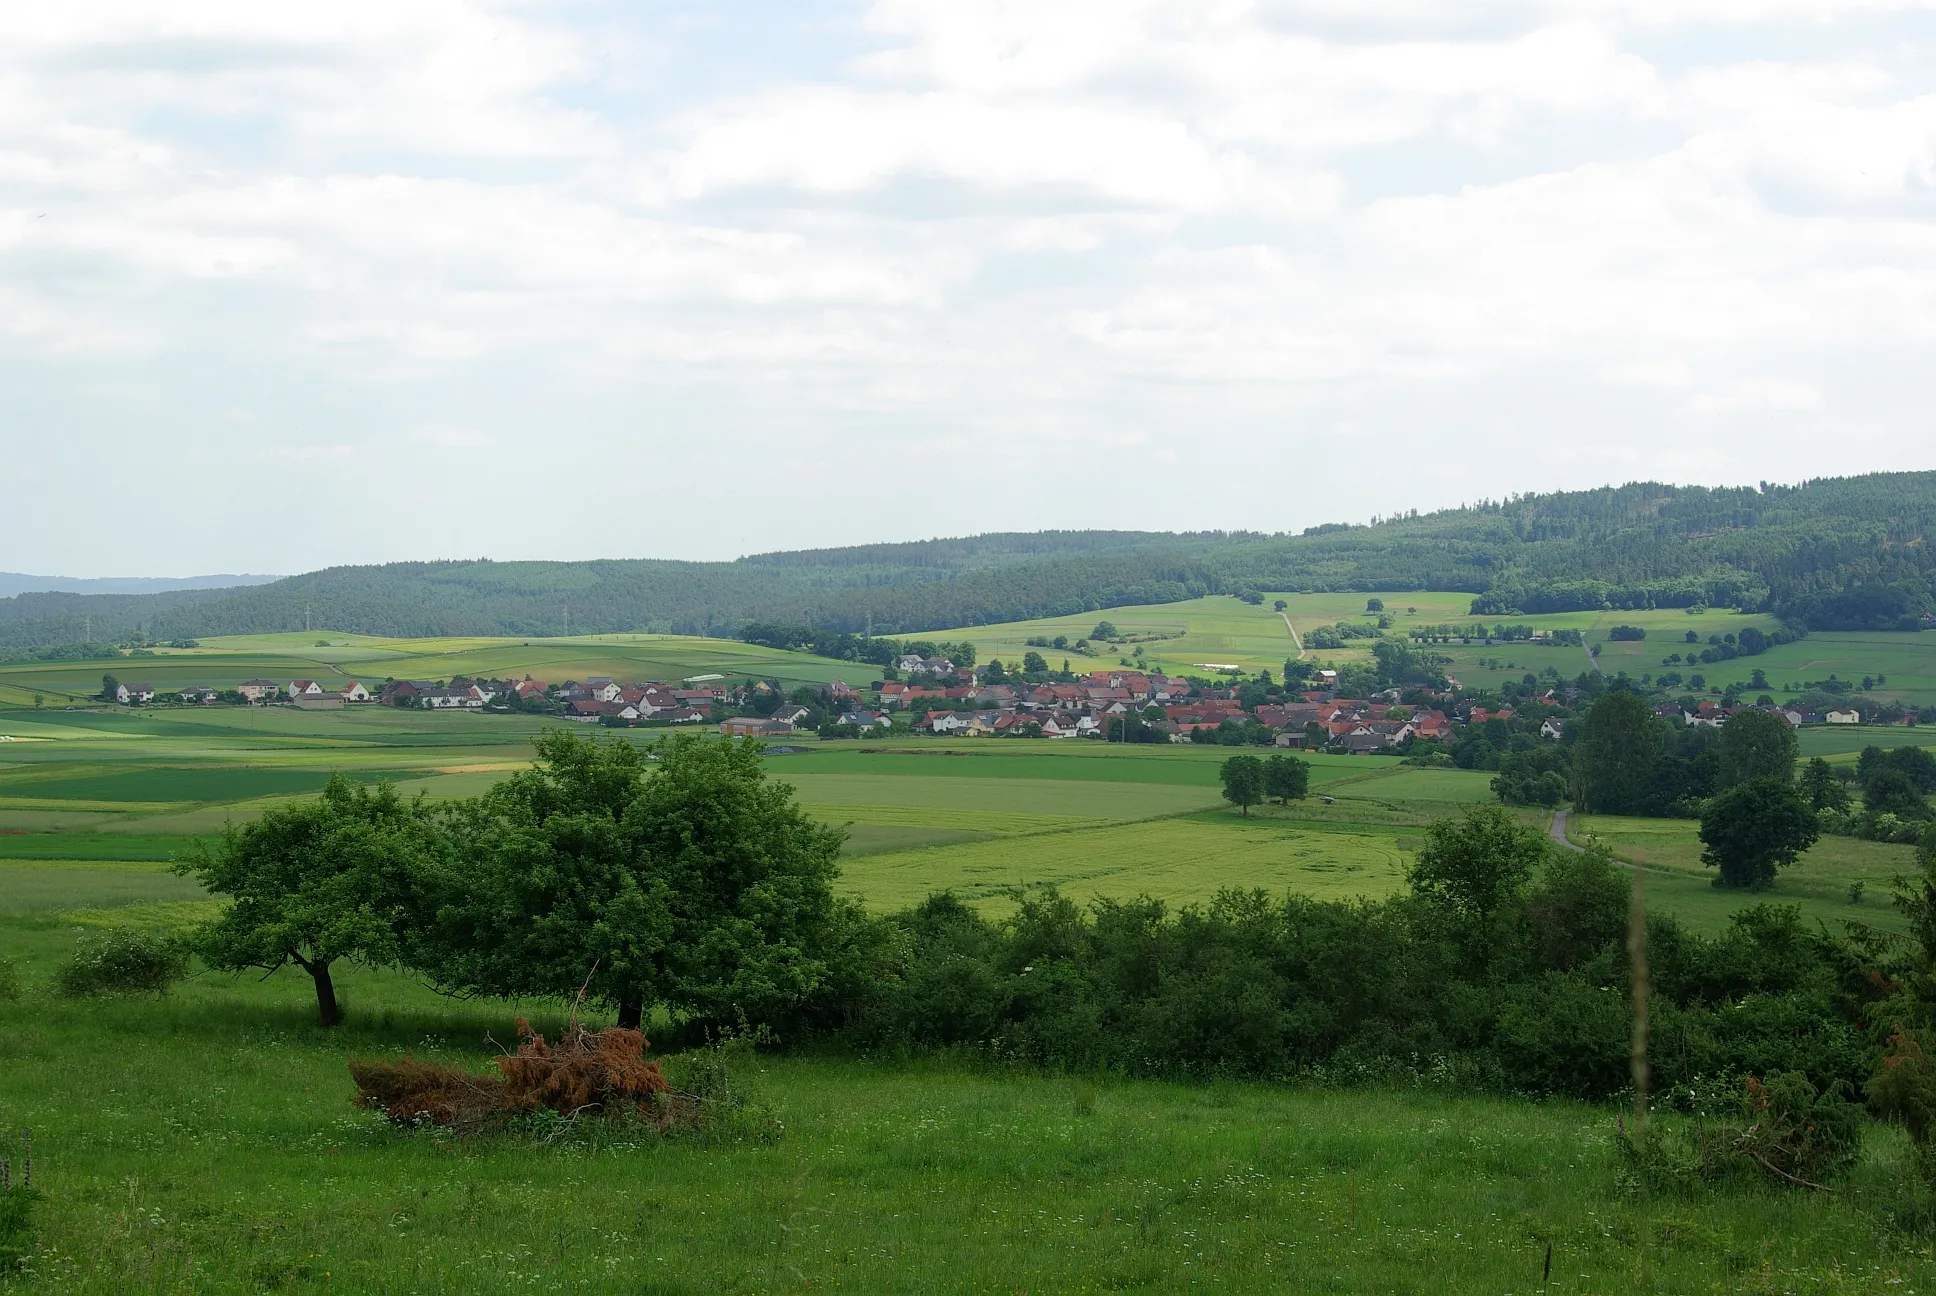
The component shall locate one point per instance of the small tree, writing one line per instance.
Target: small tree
(1374, 605)
(1033, 663)
(1472, 865)
(1753, 830)
(1287, 778)
(1243, 781)
(1757, 744)
(110, 688)
(1104, 630)
(1823, 790)
(313, 883)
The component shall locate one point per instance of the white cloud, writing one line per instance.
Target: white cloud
(1094, 232)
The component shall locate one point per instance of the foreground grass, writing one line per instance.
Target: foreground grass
(206, 1143)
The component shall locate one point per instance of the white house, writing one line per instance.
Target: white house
(304, 688)
(1844, 717)
(947, 722)
(134, 693)
(355, 692)
(256, 690)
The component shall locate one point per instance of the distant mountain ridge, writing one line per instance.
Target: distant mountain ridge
(1831, 553)
(12, 583)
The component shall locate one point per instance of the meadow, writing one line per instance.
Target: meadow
(206, 1141)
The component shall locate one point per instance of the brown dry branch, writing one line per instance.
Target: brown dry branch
(604, 1072)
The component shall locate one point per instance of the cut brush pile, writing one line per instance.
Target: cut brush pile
(586, 1072)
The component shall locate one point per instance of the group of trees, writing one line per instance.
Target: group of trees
(1250, 780)
(684, 879)
(1833, 553)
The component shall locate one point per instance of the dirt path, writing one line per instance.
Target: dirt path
(1294, 639)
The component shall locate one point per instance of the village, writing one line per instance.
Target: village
(932, 695)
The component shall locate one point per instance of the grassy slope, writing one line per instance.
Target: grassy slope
(206, 1144)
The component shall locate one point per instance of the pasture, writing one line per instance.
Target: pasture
(212, 1147)
(206, 1141)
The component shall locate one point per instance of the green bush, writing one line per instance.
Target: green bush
(122, 962)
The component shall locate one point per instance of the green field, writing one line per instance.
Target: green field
(206, 1142)
(226, 662)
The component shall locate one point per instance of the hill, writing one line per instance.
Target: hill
(12, 583)
(1836, 553)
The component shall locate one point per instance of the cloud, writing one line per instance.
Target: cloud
(1087, 234)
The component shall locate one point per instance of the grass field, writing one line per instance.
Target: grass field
(206, 1143)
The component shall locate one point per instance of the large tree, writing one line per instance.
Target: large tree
(1616, 754)
(1473, 864)
(1755, 745)
(690, 881)
(1823, 790)
(1754, 829)
(1287, 778)
(1243, 781)
(316, 882)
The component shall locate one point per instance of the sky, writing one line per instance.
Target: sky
(289, 286)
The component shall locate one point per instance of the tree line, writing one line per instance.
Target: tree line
(1844, 553)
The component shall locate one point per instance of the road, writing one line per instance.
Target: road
(1558, 832)
(1294, 639)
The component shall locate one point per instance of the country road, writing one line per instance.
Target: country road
(1558, 832)
(1294, 639)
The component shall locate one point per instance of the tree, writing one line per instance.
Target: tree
(1033, 663)
(1104, 630)
(1754, 829)
(1243, 781)
(110, 688)
(1890, 791)
(1755, 745)
(1279, 605)
(1374, 605)
(1823, 790)
(1287, 778)
(995, 672)
(696, 884)
(315, 882)
(1616, 754)
(1472, 865)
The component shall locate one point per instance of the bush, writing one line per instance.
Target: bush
(122, 962)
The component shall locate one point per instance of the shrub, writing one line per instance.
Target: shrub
(122, 962)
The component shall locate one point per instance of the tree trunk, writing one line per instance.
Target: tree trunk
(326, 1007)
(630, 1013)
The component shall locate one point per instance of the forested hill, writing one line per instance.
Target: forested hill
(1841, 552)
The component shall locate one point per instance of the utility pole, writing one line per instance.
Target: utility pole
(87, 629)
(567, 633)
(305, 618)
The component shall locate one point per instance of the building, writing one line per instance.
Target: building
(258, 690)
(355, 692)
(754, 727)
(303, 688)
(1843, 717)
(134, 694)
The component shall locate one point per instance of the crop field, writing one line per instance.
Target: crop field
(333, 659)
(206, 1141)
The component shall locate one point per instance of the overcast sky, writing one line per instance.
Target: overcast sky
(289, 285)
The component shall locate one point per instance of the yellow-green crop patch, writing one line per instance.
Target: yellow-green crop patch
(1178, 861)
(1115, 801)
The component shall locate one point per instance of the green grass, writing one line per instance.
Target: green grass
(1818, 883)
(206, 1143)
(33, 886)
(1178, 861)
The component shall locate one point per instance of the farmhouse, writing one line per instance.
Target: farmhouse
(1844, 717)
(256, 690)
(303, 688)
(134, 693)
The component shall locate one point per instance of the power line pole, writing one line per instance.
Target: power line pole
(567, 633)
(87, 629)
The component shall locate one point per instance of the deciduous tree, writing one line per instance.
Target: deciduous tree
(1753, 830)
(316, 882)
(1243, 781)
(1757, 744)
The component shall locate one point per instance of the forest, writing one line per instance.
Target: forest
(1830, 554)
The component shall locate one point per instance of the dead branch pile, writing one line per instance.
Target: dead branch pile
(585, 1072)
